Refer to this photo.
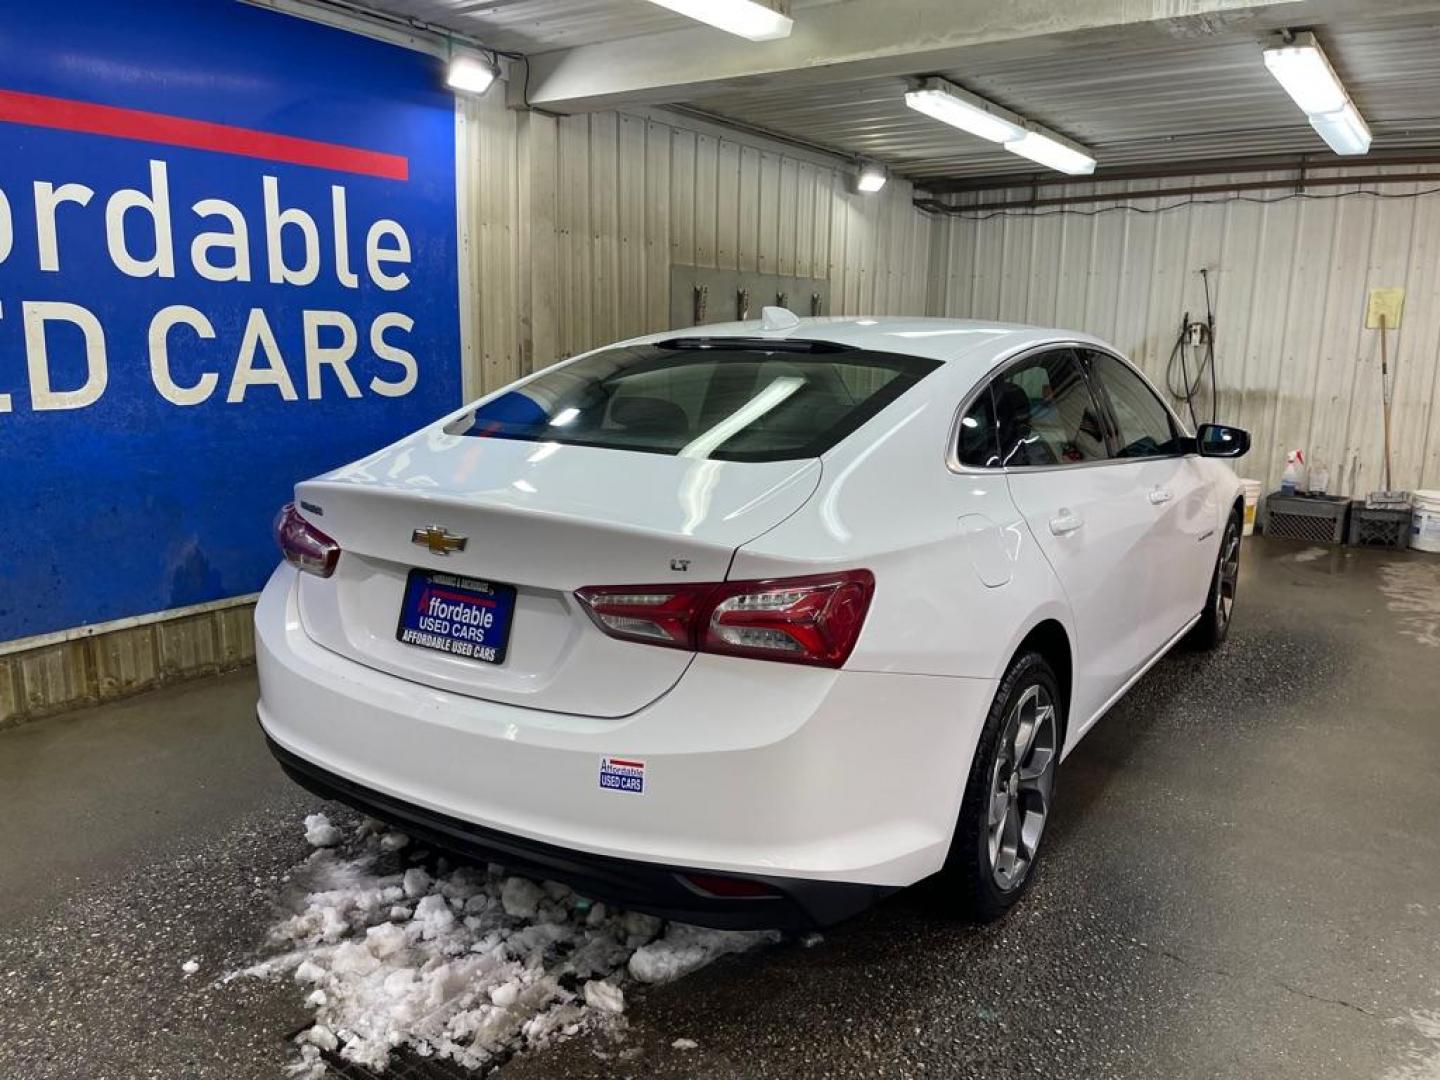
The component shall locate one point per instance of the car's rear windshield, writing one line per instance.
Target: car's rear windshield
(704, 398)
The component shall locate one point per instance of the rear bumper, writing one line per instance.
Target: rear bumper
(650, 887)
(799, 777)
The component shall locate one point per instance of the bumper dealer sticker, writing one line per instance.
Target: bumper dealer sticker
(623, 774)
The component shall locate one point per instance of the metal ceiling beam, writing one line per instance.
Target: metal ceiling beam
(1293, 183)
(855, 39)
(1211, 167)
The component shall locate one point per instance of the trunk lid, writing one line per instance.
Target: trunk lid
(546, 519)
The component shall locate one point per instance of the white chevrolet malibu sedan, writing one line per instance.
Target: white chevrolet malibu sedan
(750, 624)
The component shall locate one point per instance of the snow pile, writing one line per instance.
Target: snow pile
(319, 832)
(397, 950)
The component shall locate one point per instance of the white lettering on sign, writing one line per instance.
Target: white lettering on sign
(155, 206)
(237, 240)
(259, 335)
(335, 357)
(440, 608)
(170, 390)
(394, 354)
(141, 231)
(276, 222)
(375, 254)
(48, 198)
(7, 228)
(343, 273)
(38, 314)
(4, 398)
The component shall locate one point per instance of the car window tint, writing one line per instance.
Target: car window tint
(978, 444)
(731, 399)
(685, 387)
(1045, 413)
(1143, 422)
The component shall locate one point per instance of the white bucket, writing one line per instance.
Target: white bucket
(1425, 521)
(1252, 502)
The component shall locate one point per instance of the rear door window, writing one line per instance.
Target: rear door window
(723, 398)
(1046, 414)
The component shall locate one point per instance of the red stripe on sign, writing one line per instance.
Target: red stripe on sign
(454, 596)
(66, 115)
(627, 764)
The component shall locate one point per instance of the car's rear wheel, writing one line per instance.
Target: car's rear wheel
(1009, 793)
(1214, 624)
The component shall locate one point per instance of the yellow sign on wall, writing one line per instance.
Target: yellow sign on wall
(1386, 303)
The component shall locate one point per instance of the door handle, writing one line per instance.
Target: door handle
(1066, 521)
(1160, 495)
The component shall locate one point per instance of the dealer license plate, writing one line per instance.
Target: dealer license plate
(461, 616)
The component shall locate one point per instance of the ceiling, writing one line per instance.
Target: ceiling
(1149, 96)
(534, 26)
(1133, 104)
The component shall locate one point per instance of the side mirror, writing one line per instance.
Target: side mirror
(1222, 440)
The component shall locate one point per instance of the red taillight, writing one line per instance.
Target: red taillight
(654, 614)
(304, 546)
(802, 620)
(807, 620)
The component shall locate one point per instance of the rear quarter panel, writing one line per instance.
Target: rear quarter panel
(959, 580)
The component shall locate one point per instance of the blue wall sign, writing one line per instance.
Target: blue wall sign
(228, 261)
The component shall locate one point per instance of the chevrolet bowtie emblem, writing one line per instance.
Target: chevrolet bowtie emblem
(440, 541)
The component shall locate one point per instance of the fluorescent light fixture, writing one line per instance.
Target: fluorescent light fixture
(1303, 69)
(946, 102)
(1344, 130)
(745, 18)
(565, 416)
(870, 179)
(469, 75)
(1053, 152)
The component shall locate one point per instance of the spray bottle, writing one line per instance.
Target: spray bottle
(1293, 479)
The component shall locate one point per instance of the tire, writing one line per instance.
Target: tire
(991, 864)
(1214, 625)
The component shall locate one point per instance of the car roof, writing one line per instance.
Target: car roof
(978, 343)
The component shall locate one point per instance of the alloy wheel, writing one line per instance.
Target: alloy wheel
(1020, 786)
(1229, 577)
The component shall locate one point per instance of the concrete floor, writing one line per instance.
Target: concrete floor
(1243, 880)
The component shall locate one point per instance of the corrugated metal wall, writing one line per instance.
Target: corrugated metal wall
(576, 221)
(1290, 280)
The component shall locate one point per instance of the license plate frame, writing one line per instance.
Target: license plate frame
(450, 629)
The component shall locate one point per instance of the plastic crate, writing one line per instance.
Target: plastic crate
(1378, 526)
(1388, 500)
(1317, 519)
